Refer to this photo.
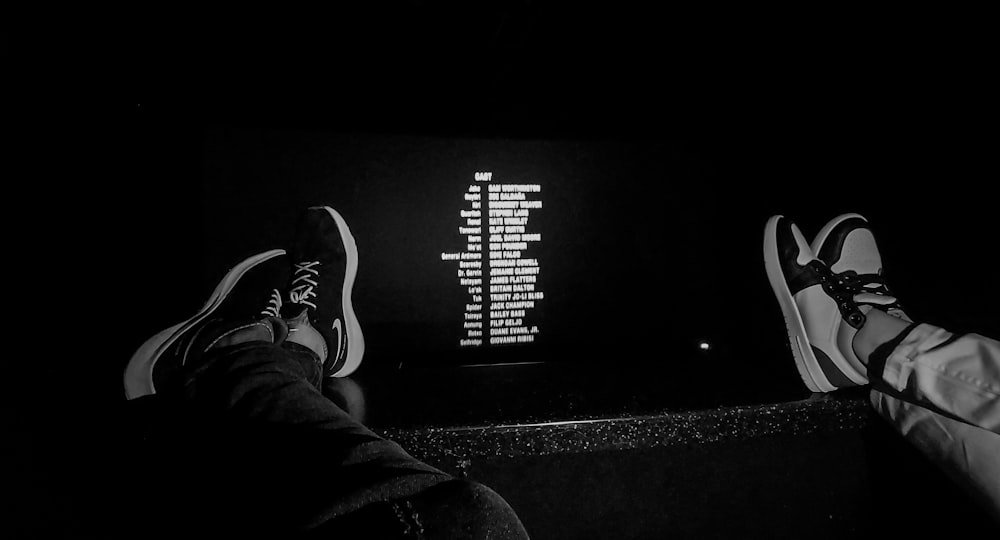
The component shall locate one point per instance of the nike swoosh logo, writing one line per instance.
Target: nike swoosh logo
(340, 337)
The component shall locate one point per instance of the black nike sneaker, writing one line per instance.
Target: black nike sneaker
(237, 310)
(325, 263)
(822, 308)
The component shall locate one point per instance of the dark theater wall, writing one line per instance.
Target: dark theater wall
(809, 119)
(891, 115)
(892, 122)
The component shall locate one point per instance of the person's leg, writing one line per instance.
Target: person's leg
(283, 456)
(326, 473)
(967, 454)
(939, 392)
(258, 449)
(879, 329)
(456, 508)
(957, 375)
(936, 389)
(319, 305)
(839, 310)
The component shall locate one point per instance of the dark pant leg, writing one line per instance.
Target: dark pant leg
(275, 455)
(453, 509)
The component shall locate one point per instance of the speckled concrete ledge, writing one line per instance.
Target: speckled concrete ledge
(458, 446)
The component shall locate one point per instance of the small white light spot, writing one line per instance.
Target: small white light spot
(704, 345)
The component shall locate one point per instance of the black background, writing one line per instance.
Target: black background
(809, 114)
(883, 114)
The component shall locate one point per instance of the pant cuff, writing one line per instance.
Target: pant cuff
(878, 357)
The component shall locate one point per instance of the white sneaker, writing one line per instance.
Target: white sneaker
(823, 308)
(847, 246)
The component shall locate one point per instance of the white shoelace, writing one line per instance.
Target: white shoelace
(303, 284)
(273, 308)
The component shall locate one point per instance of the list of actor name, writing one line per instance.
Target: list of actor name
(509, 286)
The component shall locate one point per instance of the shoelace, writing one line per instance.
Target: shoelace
(849, 289)
(273, 308)
(303, 283)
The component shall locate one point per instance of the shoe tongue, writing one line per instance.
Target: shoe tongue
(882, 302)
(859, 253)
(874, 299)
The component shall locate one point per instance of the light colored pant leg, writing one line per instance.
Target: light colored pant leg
(959, 376)
(966, 453)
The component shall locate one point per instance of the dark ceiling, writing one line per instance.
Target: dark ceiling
(525, 68)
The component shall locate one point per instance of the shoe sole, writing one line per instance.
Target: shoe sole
(806, 362)
(355, 339)
(138, 377)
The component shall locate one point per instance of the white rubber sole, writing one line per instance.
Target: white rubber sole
(808, 367)
(355, 338)
(138, 377)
